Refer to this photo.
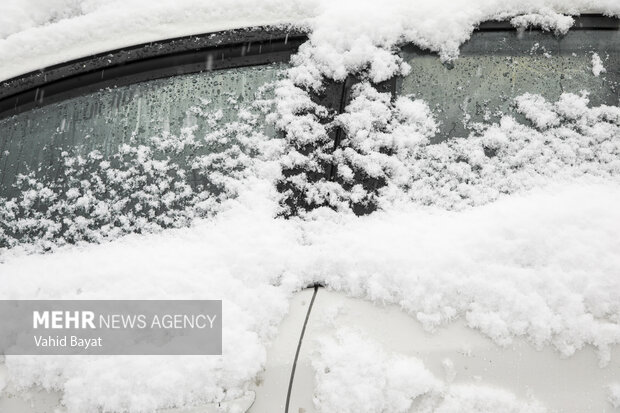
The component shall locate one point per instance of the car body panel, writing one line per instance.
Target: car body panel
(574, 384)
(272, 387)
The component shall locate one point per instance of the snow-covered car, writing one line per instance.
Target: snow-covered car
(127, 146)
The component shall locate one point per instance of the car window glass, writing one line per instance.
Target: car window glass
(34, 140)
(136, 158)
(496, 66)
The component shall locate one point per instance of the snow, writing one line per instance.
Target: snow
(230, 260)
(141, 188)
(2, 381)
(597, 65)
(346, 34)
(481, 399)
(538, 110)
(354, 374)
(389, 142)
(547, 20)
(495, 265)
(512, 228)
(448, 366)
(614, 394)
(47, 34)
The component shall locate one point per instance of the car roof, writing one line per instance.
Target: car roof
(96, 69)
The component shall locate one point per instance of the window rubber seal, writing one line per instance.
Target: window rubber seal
(189, 54)
(156, 60)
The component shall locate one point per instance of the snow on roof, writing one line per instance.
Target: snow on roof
(39, 33)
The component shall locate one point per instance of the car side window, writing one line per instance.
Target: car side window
(138, 114)
(135, 158)
(494, 67)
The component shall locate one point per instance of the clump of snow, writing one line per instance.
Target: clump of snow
(306, 146)
(597, 65)
(536, 108)
(361, 41)
(614, 394)
(359, 36)
(378, 135)
(376, 130)
(354, 374)
(546, 20)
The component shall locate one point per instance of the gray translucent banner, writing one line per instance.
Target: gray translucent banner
(109, 327)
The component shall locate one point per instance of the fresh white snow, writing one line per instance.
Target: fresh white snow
(40, 33)
(520, 243)
(496, 265)
(354, 374)
(614, 394)
(2, 380)
(597, 65)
